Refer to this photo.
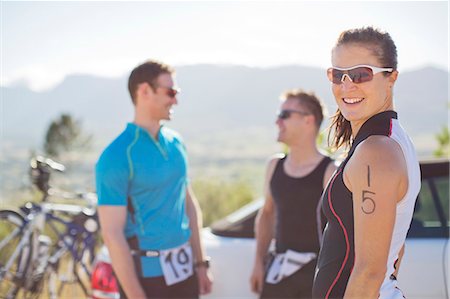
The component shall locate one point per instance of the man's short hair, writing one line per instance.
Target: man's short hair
(147, 72)
(308, 101)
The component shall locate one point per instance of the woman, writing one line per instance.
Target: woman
(369, 201)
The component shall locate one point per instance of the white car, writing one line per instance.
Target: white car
(231, 245)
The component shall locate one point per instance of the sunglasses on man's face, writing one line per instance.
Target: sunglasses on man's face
(356, 74)
(286, 113)
(170, 91)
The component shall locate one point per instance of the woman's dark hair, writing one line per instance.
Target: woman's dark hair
(382, 47)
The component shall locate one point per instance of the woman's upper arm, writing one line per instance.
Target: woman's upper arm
(375, 174)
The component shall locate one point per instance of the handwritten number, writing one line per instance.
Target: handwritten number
(368, 204)
(182, 258)
(170, 262)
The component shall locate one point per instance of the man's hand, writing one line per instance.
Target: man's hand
(257, 278)
(205, 280)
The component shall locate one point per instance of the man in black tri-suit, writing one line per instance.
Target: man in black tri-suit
(291, 214)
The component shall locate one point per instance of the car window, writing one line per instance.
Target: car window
(431, 215)
(442, 186)
(430, 220)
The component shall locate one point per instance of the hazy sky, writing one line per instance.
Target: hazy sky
(41, 42)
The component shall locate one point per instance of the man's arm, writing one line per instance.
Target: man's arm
(331, 168)
(112, 223)
(376, 175)
(196, 223)
(320, 217)
(264, 231)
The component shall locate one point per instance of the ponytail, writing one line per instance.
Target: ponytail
(342, 131)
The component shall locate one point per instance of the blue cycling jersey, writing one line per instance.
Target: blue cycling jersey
(151, 175)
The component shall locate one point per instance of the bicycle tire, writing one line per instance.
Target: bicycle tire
(69, 265)
(15, 265)
(67, 279)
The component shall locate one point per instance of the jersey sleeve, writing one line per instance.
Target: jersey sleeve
(111, 177)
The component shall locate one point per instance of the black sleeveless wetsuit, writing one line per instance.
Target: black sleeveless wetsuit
(296, 201)
(337, 254)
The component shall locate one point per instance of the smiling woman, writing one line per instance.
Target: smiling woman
(370, 199)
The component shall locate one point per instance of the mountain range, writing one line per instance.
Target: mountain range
(226, 115)
(218, 104)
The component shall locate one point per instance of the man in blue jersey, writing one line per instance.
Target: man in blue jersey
(149, 216)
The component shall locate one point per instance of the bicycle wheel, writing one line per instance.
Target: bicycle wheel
(15, 255)
(69, 265)
(67, 278)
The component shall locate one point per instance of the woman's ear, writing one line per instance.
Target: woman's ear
(393, 78)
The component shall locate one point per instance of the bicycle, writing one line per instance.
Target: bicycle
(29, 258)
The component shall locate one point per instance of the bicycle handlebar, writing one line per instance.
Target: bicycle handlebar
(89, 197)
(40, 161)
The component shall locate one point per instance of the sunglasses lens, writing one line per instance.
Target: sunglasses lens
(336, 76)
(360, 74)
(171, 93)
(284, 114)
(357, 75)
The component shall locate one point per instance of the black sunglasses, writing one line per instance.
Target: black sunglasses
(170, 91)
(286, 113)
(357, 74)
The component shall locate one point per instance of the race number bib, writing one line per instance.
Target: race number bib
(273, 275)
(176, 263)
(286, 264)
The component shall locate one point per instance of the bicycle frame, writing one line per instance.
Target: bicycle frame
(25, 230)
(30, 254)
(72, 238)
(67, 240)
(25, 252)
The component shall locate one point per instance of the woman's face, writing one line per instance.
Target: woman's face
(359, 101)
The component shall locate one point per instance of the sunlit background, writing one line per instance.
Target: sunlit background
(233, 59)
(42, 42)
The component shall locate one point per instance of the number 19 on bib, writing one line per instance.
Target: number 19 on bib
(176, 264)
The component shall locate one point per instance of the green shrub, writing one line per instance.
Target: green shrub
(219, 198)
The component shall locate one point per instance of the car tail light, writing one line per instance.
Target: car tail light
(103, 282)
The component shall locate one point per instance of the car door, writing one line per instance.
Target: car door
(424, 268)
